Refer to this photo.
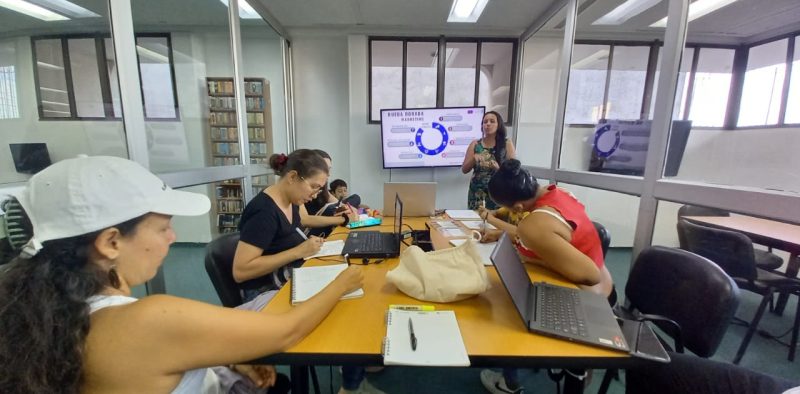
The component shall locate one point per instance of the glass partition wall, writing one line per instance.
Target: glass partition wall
(664, 142)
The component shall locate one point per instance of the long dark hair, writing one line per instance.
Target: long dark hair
(512, 184)
(44, 316)
(499, 137)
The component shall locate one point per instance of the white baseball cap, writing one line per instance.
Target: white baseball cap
(87, 194)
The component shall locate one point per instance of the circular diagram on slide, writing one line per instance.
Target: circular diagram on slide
(605, 143)
(429, 141)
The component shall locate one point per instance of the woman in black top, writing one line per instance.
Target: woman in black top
(270, 243)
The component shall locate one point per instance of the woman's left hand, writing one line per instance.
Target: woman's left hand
(262, 376)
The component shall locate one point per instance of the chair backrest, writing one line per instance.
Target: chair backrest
(731, 250)
(696, 210)
(605, 237)
(688, 289)
(219, 266)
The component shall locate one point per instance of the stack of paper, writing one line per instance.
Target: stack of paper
(329, 248)
(436, 339)
(485, 250)
(476, 225)
(463, 214)
(308, 281)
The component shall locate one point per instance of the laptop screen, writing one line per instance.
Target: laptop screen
(398, 218)
(513, 274)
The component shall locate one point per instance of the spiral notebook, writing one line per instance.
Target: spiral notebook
(308, 281)
(437, 339)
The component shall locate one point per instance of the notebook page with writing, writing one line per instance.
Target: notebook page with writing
(485, 250)
(308, 281)
(329, 248)
(438, 339)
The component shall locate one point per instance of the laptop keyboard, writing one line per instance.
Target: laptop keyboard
(371, 241)
(560, 308)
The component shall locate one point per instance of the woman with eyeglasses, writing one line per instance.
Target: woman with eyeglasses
(270, 242)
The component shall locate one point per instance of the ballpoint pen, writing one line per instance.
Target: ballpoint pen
(418, 308)
(302, 234)
(411, 335)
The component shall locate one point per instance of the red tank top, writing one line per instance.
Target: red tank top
(584, 235)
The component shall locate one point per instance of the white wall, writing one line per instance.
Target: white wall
(331, 113)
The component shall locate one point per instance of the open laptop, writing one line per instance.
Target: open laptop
(573, 314)
(377, 244)
(420, 197)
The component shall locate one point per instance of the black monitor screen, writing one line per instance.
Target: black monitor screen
(30, 158)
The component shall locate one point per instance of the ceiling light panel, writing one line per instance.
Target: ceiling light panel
(466, 11)
(65, 7)
(699, 9)
(246, 11)
(33, 10)
(625, 11)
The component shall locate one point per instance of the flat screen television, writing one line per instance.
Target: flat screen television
(428, 137)
(30, 158)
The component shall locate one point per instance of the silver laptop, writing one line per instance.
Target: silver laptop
(568, 313)
(419, 198)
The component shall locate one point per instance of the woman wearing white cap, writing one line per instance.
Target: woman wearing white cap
(101, 225)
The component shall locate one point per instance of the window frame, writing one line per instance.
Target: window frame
(440, 69)
(105, 87)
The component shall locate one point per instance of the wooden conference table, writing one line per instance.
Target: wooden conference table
(493, 332)
(778, 235)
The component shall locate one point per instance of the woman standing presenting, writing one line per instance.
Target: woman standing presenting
(484, 157)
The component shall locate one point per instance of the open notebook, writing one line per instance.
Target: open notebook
(329, 248)
(308, 281)
(438, 339)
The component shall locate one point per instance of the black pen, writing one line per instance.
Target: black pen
(411, 335)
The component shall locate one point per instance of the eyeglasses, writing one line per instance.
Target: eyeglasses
(316, 189)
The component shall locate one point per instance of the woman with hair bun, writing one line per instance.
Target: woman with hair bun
(484, 157)
(270, 244)
(557, 234)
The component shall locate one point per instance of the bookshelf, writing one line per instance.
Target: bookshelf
(223, 139)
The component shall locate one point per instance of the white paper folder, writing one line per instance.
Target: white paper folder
(308, 281)
(438, 339)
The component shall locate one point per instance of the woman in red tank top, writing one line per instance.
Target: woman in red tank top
(557, 234)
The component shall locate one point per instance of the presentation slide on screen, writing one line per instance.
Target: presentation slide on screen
(436, 137)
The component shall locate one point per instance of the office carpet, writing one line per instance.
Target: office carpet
(185, 276)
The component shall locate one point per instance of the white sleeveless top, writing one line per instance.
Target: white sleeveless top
(203, 380)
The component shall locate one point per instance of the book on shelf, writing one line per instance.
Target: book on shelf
(220, 87)
(429, 338)
(225, 161)
(225, 148)
(308, 281)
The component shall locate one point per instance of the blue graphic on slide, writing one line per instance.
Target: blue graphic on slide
(435, 151)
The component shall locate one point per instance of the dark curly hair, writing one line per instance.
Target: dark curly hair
(512, 184)
(44, 316)
(305, 162)
(499, 137)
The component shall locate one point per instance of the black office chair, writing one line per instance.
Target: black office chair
(687, 296)
(765, 259)
(219, 266)
(733, 252)
(605, 237)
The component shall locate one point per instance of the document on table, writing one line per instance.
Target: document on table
(463, 214)
(476, 224)
(453, 232)
(423, 339)
(329, 248)
(445, 223)
(485, 250)
(308, 281)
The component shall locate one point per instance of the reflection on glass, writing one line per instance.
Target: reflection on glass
(793, 102)
(587, 83)
(202, 131)
(538, 98)
(113, 82)
(712, 84)
(421, 61)
(495, 76)
(86, 85)
(156, 76)
(9, 105)
(459, 74)
(681, 88)
(763, 84)
(628, 72)
(617, 212)
(54, 98)
(386, 77)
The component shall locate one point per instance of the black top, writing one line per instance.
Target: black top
(264, 226)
